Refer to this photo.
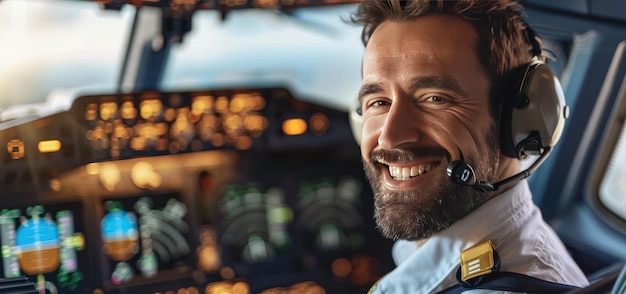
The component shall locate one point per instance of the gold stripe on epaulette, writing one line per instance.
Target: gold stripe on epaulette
(477, 261)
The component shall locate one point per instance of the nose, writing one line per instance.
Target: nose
(403, 126)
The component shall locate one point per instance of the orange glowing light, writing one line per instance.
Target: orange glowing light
(341, 267)
(209, 259)
(128, 110)
(255, 122)
(238, 103)
(16, 149)
(217, 139)
(319, 123)
(49, 146)
(108, 110)
(264, 3)
(243, 143)
(294, 126)
(201, 104)
(92, 112)
(150, 108)
(221, 104)
(241, 288)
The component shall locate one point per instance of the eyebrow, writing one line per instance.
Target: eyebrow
(367, 89)
(437, 82)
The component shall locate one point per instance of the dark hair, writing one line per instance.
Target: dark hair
(502, 43)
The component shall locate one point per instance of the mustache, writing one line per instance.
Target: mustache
(410, 154)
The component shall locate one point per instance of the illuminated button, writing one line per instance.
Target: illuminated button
(16, 149)
(151, 108)
(255, 123)
(91, 112)
(143, 175)
(221, 104)
(128, 111)
(109, 176)
(201, 104)
(108, 110)
(294, 126)
(238, 103)
(49, 146)
(258, 102)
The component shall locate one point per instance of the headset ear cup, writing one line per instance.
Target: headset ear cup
(537, 108)
(515, 80)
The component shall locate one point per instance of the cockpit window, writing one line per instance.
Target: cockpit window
(50, 46)
(270, 48)
(608, 181)
(613, 185)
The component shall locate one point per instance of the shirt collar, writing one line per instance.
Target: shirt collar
(438, 258)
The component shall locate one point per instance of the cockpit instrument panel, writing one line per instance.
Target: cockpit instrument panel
(229, 191)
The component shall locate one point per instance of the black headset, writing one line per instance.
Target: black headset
(532, 116)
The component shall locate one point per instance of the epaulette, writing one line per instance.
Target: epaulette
(479, 260)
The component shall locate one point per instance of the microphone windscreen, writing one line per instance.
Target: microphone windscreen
(460, 173)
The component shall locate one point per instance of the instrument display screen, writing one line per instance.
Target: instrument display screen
(45, 242)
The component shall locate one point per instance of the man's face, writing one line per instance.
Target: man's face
(425, 103)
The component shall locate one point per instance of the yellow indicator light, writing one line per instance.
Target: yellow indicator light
(143, 176)
(150, 108)
(221, 104)
(49, 146)
(77, 241)
(92, 168)
(258, 102)
(108, 110)
(16, 149)
(128, 110)
(201, 104)
(294, 126)
(110, 175)
(209, 258)
(55, 185)
(255, 122)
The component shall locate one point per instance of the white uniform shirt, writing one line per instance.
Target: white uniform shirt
(525, 243)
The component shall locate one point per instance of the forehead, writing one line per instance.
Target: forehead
(435, 47)
(430, 38)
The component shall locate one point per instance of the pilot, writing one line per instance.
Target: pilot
(448, 91)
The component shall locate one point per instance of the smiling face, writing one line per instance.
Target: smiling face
(425, 103)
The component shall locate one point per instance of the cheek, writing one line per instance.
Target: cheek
(369, 136)
(460, 131)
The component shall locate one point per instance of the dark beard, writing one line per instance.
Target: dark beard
(434, 207)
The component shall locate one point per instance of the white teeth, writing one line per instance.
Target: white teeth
(414, 171)
(406, 173)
